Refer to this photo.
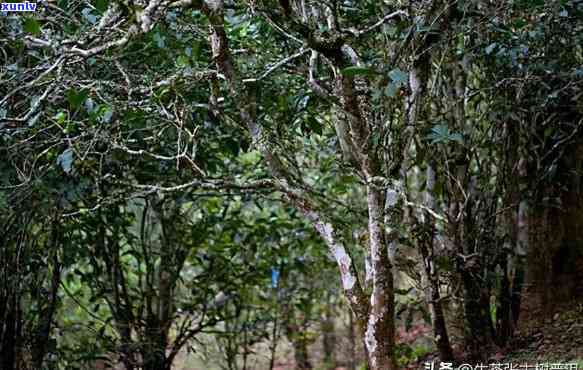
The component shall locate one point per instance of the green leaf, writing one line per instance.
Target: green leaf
(357, 71)
(403, 291)
(391, 90)
(196, 47)
(65, 160)
(60, 117)
(250, 158)
(441, 134)
(182, 61)
(32, 26)
(490, 48)
(441, 130)
(88, 16)
(106, 115)
(313, 124)
(160, 40)
(399, 77)
(76, 98)
(101, 5)
(89, 105)
(233, 146)
(456, 137)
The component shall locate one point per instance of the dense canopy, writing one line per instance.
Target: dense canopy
(193, 184)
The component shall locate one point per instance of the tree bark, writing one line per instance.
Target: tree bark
(9, 335)
(380, 329)
(504, 320)
(273, 345)
(521, 248)
(510, 259)
(477, 328)
(433, 295)
(301, 354)
(329, 334)
(296, 332)
(39, 350)
(41, 340)
(156, 361)
(351, 340)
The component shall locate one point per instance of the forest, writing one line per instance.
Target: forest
(291, 184)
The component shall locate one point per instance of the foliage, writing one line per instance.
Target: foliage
(146, 148)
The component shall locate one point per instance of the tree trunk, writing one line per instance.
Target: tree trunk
(553, 254)
(380, 329)
(154, 349)
(477, 334)
(329, 334)
(39, 350)
(9, 336)
(297, 336)
(157, 364)
(433, 298)
(440, 328)
(301, 353)
(512, 278)
(431, 276)
(273, 346)
(351, 340)
(504, 321)
(156, 361)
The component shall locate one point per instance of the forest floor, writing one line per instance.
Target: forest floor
(556, 342)
(557, 339)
